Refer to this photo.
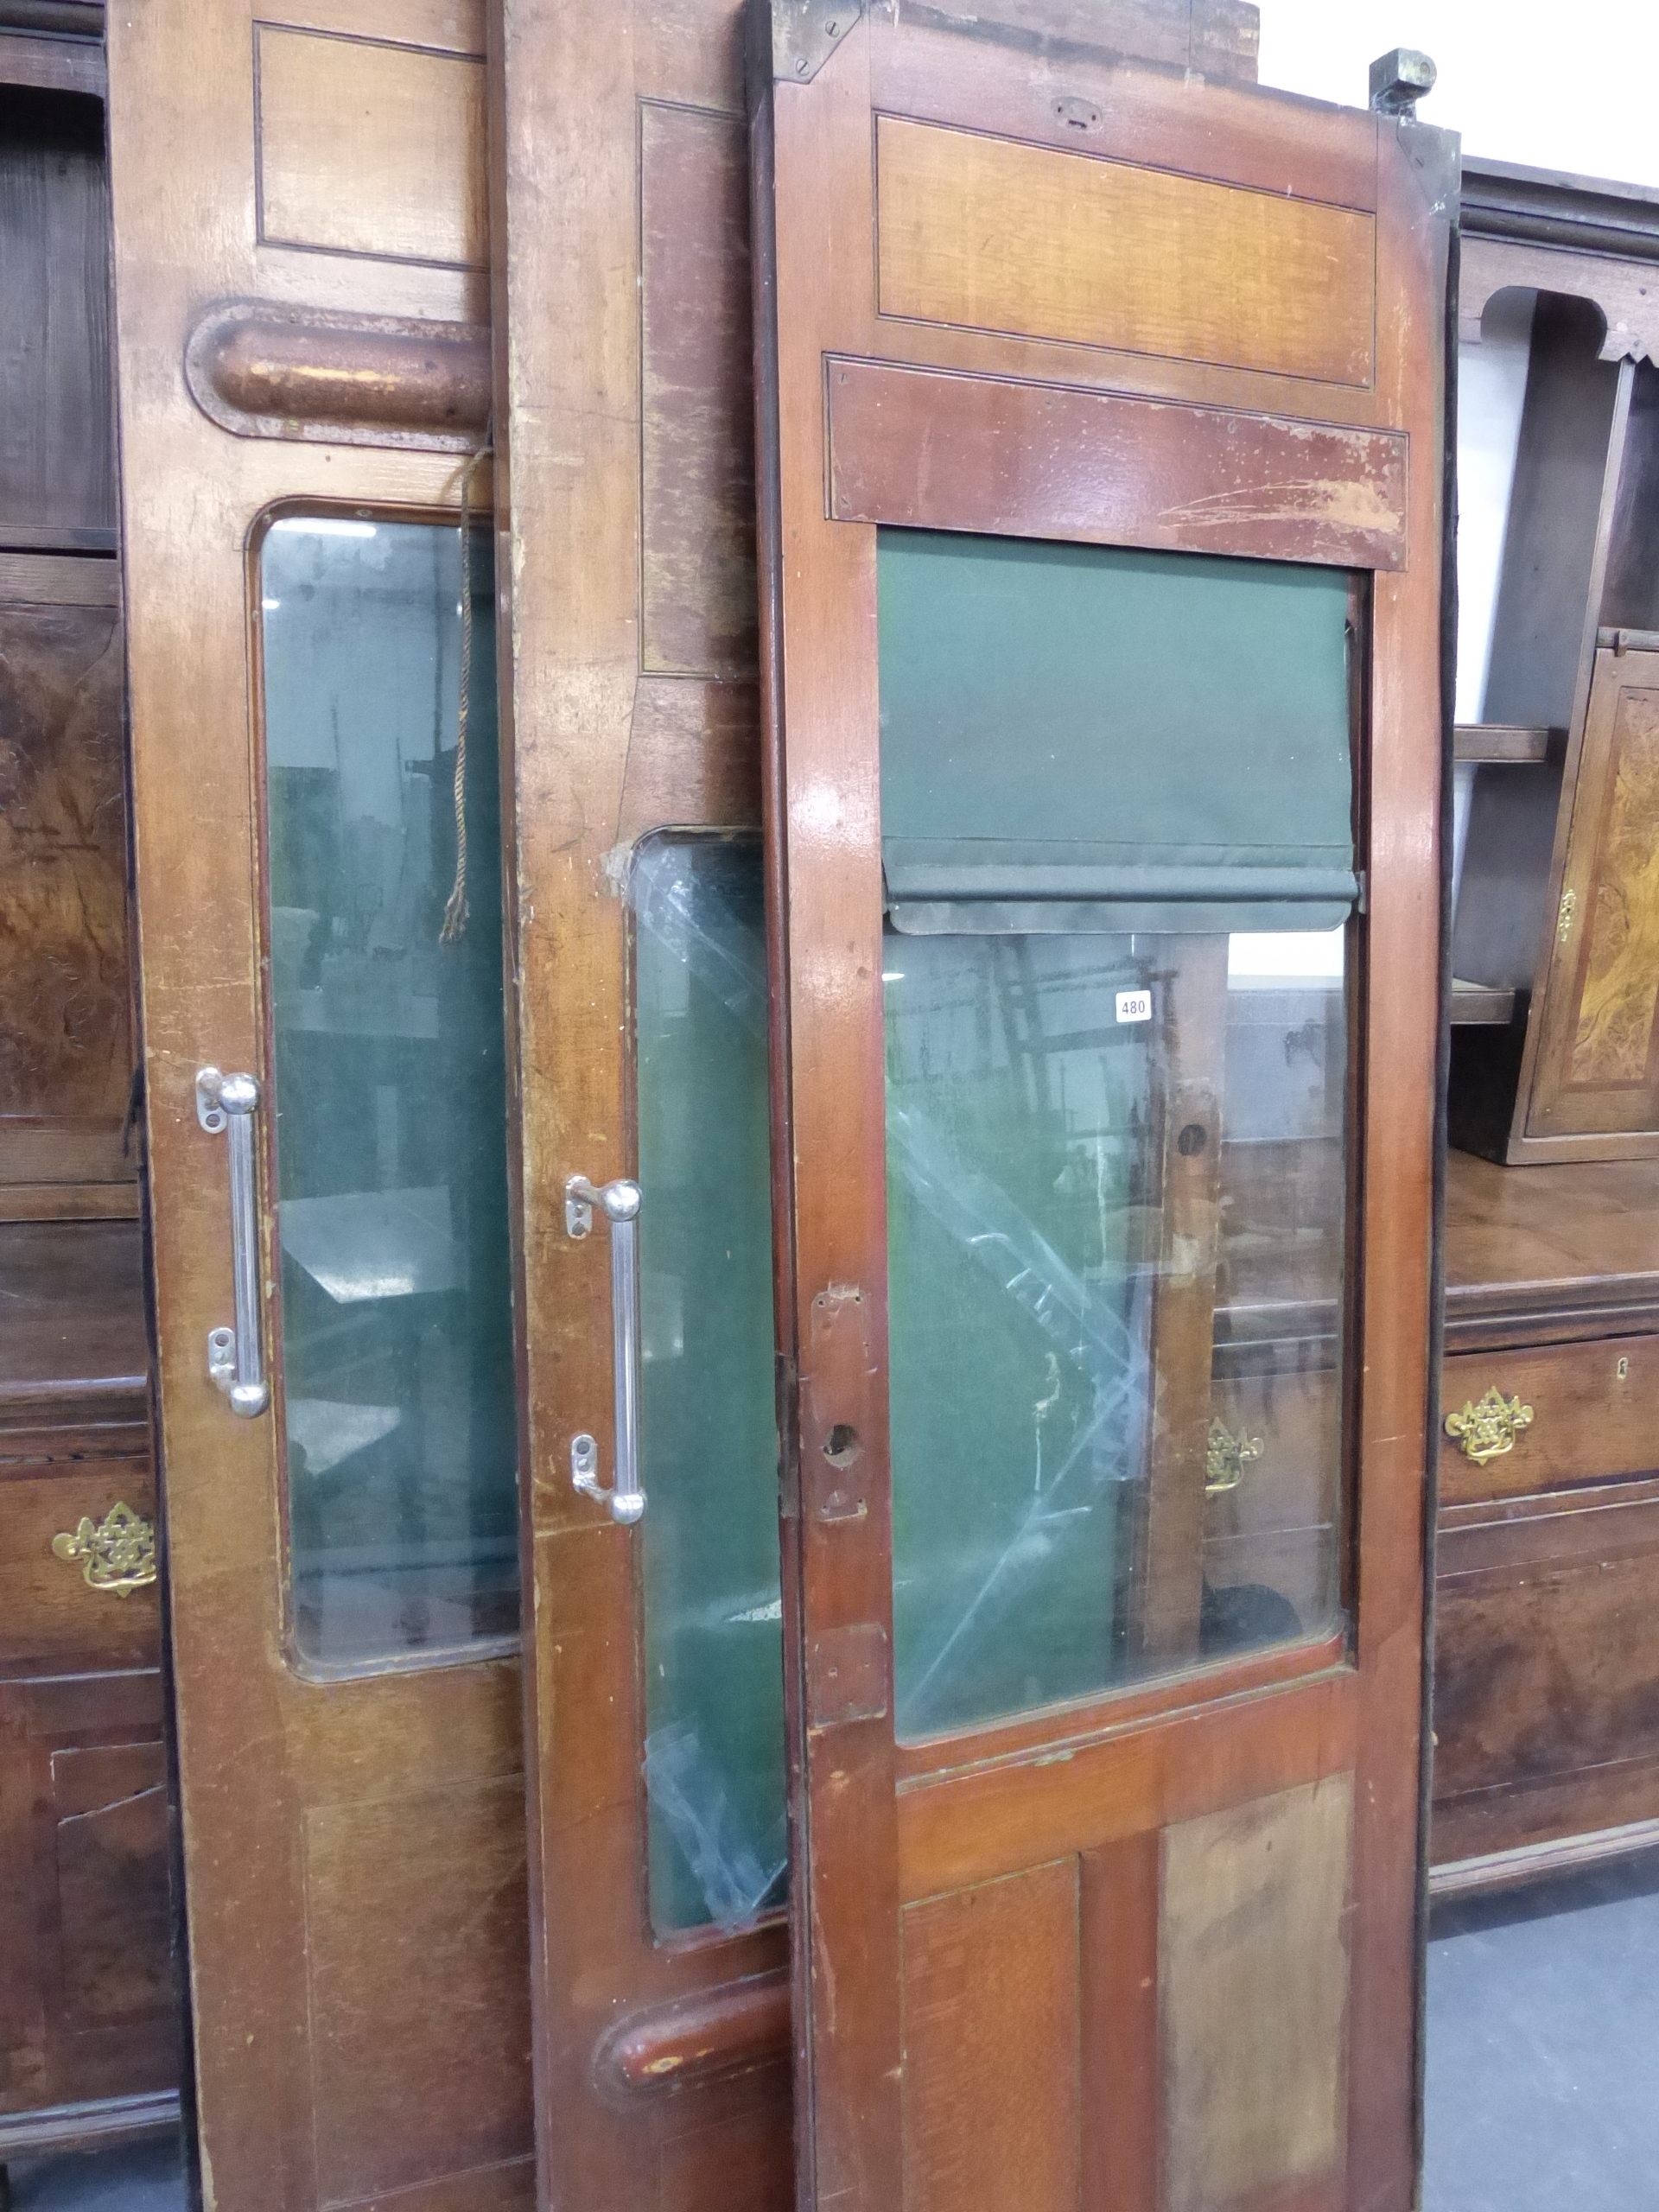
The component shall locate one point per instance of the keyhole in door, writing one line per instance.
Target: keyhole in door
(841, 1446)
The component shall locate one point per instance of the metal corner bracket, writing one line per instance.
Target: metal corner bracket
(806, 33)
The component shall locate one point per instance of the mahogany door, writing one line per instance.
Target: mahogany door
(1099, 410)
(654, 1725)
(301, 263)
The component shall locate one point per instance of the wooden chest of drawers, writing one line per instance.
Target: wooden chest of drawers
(1546, 1711)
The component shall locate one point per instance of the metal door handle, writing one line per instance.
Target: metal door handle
(225, 1105)
(619, 1204)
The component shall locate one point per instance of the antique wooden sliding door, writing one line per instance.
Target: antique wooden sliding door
(301, 252)
(1101, 555)
(654, 1704)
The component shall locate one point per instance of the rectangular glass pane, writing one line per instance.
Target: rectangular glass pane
(397, 1391)
(709, 1442)
(1115, 1139)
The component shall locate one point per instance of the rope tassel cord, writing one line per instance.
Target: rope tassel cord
(455, 910)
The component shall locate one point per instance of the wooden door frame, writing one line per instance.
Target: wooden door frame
(862, 1809)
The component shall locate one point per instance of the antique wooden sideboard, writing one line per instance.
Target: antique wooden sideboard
(89, 2009)
(1546, 1694)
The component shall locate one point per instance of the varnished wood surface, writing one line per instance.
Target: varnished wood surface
(88, 2007)
(1546, 1719)
(992, 234)
(56, 456)
(624, 443)
(1591, 1406)
(1539, 1255)
(1046, 460)
(73, 1303)
(1002, 1818)
(266, 372)
(353, 1850)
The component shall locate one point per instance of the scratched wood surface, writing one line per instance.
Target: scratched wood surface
(1339, 1718)
(624, 421)
(356, 2030)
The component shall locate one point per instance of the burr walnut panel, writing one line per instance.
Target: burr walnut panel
(990, 234)
(1616, 1008)
(64, 1048)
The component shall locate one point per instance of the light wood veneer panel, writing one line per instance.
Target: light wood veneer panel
(990, 234)
(992, 2093)
(368, 148)
(1253, 2000)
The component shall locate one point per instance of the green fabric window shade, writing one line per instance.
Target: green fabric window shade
(1084, 737)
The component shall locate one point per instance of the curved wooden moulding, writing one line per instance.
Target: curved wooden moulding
(263, 371)
(724, 2031)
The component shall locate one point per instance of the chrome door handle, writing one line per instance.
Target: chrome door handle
(619, 1204)
(225, 1105)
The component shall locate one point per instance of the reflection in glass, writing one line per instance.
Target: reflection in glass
(1116, 794)
(388, 1085)
(713, 1635)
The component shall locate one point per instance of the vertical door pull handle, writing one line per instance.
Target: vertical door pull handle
(619, 1204)
(224, 1106)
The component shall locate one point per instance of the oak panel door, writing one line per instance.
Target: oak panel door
(1083, 680)
(338, 1430)
(654, 1725)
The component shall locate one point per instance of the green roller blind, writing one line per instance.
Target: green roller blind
(1079, 736)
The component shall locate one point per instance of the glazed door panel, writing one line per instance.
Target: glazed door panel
(625, 426)
(1103, 1339)
(332, 1298)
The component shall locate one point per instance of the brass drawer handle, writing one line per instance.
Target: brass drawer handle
(117, 1554)
(1226, 1457)
(1487, 1430)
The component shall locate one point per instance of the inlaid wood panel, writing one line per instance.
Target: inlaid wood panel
(416, 1909)
(1616, 1006)
(992, 2093)
(989, 234)
(370, 148)
(1253, 1999)
(697, 412)
(65, 1040)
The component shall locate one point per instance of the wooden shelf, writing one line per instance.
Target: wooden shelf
(1482, 1002)
(1511, 743)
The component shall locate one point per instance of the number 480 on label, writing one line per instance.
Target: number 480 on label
(1134, 1006)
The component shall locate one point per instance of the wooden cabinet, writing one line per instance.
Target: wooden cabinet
(1556, 934)
(1547, 1606)
(89, 2001)
(1545, 1724)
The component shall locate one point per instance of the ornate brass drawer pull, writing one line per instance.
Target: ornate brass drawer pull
(1226, 1457)
(118, 1552)
(1487, 1430)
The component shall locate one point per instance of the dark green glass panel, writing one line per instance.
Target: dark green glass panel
(709, 1444)
(1018, 1114)
(388, 1085)
(1160, 739)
